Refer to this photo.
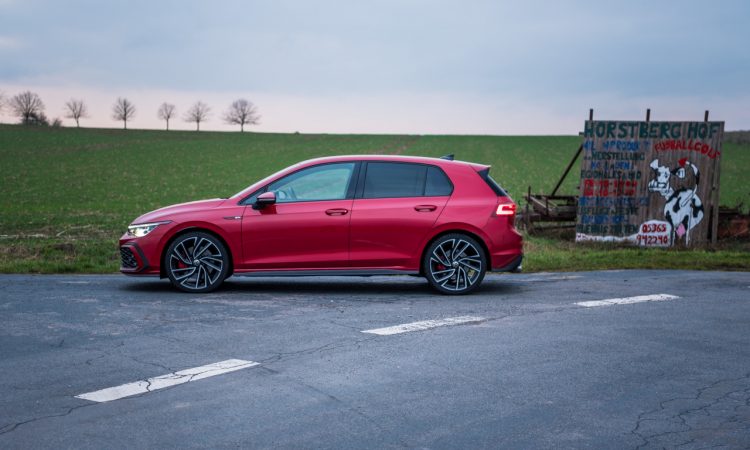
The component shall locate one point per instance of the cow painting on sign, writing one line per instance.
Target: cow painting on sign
(683, 208)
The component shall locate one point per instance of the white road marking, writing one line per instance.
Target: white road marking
(424, 325)
(628, 300)
(565, 277)
(75, 282)
(164, 381)
(552, 278)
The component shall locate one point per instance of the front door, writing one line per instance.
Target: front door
(308, 227)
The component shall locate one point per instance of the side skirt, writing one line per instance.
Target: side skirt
(329, 272)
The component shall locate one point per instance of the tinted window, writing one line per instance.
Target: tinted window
(437, 183)
(394, 180)
(485, 174)
(326, 182)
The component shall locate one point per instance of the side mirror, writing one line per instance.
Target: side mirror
(265, 199)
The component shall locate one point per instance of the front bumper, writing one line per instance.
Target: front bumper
(132, 259)
(141, 256)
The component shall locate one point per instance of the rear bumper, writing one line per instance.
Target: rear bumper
(513, 266)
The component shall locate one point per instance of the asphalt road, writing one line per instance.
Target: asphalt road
(530, 368)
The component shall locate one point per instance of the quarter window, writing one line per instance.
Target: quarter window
(437, 183)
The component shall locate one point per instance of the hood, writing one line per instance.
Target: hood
(169, 212)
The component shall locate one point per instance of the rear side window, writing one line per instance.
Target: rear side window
(485, 174)
(385, 180)
(392, 180)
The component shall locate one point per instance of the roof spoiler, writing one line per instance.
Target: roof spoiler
(449, 157)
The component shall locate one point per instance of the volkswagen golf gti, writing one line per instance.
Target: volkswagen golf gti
(445, 220)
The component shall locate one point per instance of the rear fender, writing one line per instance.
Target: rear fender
(453, 227)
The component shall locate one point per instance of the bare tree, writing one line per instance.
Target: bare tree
(166, 112)
(2, 102)
(123, 110)
(29, 107)
(76, 109)
(242, 112)
(198, 113)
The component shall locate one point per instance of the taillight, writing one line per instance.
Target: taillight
(506, 209)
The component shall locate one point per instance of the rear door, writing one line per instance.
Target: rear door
(395, 206)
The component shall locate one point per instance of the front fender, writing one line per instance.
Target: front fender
(231, 235)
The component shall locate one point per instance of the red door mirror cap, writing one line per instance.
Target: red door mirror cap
(267, 198)
(264, 199)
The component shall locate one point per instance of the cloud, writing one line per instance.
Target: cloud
(9, 43)
(479, 60)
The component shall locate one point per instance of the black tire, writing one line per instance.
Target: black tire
(196, 262)
(455, 264)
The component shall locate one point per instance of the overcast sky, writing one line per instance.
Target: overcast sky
(401, 66)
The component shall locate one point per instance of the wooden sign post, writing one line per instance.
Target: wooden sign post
(650, 183)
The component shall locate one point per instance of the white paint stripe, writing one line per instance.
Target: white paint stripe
(628, 300)
(423, 325)
(554, 278)
(164, 381)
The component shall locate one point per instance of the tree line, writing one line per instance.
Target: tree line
(29, 108)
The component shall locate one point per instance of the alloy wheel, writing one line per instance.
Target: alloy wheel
(456, 264)
(197, 262)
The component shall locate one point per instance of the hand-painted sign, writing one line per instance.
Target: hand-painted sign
(652, 184)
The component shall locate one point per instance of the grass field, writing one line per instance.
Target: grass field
(68, 194)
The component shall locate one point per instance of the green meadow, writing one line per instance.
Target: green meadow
(68, 194)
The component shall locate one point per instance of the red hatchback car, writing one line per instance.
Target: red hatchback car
(446, 220)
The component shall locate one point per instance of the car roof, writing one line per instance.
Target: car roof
(444, 163)
(393, 158)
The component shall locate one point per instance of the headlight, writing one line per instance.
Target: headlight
(143, 229)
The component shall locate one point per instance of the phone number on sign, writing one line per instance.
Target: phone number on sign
(652, 240)
(653, 228)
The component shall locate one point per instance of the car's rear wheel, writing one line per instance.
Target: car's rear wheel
(196, 262)
(455, 264)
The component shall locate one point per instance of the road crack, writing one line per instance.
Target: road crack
(715, 416)
(14, 426)
(343, 404)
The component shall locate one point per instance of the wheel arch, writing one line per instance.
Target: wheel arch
(442, 233)
(190, 229)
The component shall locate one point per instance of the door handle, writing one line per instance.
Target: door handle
(425, 208)
(336, 211)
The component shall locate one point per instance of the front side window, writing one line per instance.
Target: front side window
(325, 182)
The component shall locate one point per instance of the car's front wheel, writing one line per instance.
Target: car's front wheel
(196, 262)
(455, 264)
